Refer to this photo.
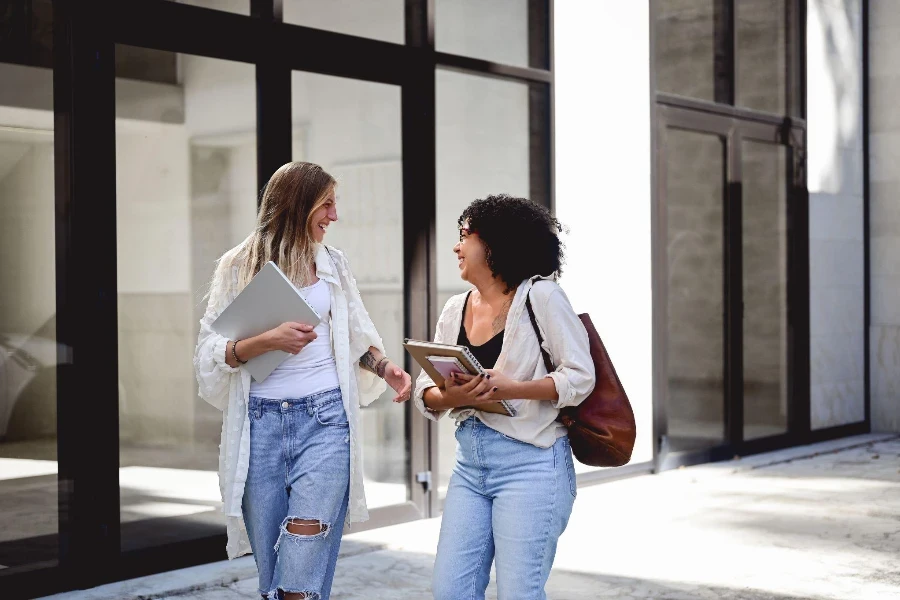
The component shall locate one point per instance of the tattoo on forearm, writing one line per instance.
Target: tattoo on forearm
(368, 362)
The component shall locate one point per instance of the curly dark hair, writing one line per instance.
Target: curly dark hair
(521, 237)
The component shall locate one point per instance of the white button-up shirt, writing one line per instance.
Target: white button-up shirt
(228, 389)
(520, 359)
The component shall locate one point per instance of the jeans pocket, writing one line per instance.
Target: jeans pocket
(332, 414)
(570, 468)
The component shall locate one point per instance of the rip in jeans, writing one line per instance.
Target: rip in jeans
(299, 530)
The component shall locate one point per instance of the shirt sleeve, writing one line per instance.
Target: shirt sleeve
(424, 382)
(363, 335)
(567, 341)
(212, 372)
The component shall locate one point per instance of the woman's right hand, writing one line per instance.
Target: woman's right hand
(291, 337)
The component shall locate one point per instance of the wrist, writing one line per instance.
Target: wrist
(265, 341)
(382, 366)
(513, 391)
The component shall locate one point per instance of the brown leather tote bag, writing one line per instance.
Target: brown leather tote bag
(602, 428)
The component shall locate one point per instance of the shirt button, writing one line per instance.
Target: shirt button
(345, 272)
(285, 405)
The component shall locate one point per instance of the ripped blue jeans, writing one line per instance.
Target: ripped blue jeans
(299, 472)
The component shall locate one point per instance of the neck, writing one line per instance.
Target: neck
(492, 291)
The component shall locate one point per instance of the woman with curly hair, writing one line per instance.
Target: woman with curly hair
(513, 486)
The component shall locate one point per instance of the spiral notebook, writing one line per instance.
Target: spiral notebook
(441, 360)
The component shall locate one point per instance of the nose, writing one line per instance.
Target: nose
(332, 214)
(457, 247)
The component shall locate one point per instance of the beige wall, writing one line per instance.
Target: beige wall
(834, 115)
(884, 214)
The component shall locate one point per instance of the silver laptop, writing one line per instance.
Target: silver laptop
(269, 300)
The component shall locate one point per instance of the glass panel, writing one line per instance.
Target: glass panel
(352, 128)
(186, 187)
(513, 32)
(694, 243)
(377, 19)
(29, 523)
(761, 54)
(241, 7)
(482, 148)
(686, 44)
(765, 289)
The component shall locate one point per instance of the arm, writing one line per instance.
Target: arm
(376, 362)
(568, 343)
(211, 369)
(366, 343)
(289, 337)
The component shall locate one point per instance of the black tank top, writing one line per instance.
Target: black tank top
(488, 352)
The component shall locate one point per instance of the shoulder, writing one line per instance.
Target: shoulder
(233, 258)
(545, 291)
(454, 305)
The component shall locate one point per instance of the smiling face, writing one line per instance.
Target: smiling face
(322, 216)
(471, 255)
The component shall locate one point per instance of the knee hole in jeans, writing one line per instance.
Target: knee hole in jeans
(301, 530)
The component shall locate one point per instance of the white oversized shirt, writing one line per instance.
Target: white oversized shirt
(228, 389)
(520, 359)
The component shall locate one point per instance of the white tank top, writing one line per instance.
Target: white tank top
(311, 371)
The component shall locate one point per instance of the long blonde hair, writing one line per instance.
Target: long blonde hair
(283, 231)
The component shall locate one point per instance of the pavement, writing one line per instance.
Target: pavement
(816, 522)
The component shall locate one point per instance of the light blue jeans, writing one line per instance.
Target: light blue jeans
(508, 502)
(299, 469)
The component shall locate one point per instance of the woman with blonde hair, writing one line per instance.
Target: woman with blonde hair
(290, 469)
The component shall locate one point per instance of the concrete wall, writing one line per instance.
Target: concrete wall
(834, 111)
(603, 171)
(884, 215)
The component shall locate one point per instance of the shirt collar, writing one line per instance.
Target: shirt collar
(325, 267)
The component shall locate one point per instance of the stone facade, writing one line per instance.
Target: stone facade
(884, 214)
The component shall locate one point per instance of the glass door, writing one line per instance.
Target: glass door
(695, 244)
(727, 344)
(353, 129)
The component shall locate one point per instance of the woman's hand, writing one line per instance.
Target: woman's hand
(398, 379)
(468, 390)
(291, 337)
(503, 388)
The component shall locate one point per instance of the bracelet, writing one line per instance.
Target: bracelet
(381, 365)
(234, 352)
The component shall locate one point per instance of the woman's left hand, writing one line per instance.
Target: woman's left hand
(501, 386)
(400, 380)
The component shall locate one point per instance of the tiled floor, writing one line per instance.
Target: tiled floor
(814, 523)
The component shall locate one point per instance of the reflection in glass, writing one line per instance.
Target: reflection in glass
(186, 193)
(29, 493)
(241, 7)
(686, 43)
(761, 51)
(765, 289)
(482, 148)
(513, 32)
(352, 128)
(376, 19)
(694, 241)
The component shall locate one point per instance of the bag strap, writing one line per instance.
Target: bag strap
(547, 362)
